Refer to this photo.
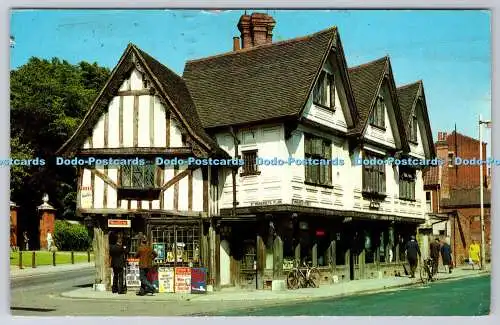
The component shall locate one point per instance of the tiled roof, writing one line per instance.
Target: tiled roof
(466, 197)
(431, 176)
(261, 83)
(407, 95)
(177, 91)
(365, 81)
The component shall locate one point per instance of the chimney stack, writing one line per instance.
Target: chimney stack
(256, 29)
(236, 43)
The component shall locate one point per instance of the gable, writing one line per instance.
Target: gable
(338, 112)
(389, 135)
(142, 82)
(135, 118)
(412, 101)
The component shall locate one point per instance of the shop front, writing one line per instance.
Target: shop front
(181, 244)
(343, 246)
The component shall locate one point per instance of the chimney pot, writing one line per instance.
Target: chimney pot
(236, 43)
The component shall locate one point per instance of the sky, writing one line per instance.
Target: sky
(450, 50)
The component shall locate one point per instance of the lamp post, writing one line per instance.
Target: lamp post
(483, 244)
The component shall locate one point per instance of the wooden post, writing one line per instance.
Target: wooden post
(100, 246)
(347, 258)
(20, 259)
(33, 260)
(297, 253)
(88, 255)
(261, 261)
(72, 257)
(54, 258)
(315, 255)
(278, 258)
(396, 252)
(361, 263)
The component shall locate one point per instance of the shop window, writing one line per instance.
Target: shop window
(318, 148)
(450, 159)
(249, 255)
(369, 252)
(181, 244)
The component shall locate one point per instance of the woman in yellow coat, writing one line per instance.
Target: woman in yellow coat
(474, 253)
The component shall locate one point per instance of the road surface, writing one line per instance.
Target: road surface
(40, 296)
(465, 297)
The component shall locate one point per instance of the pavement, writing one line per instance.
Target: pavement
(16, 272)
(347, 288)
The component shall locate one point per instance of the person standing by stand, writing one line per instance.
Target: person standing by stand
(117, 254)
(146, 255)
(412, 254)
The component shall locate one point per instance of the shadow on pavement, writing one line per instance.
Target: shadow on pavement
(88, 285)
(32, 309)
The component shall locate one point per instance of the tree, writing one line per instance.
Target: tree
(48, 101)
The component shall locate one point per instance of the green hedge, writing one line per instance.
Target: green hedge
(71, 237)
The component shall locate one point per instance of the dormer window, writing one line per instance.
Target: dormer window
(324, 91)
(377, 118)
(413, 128)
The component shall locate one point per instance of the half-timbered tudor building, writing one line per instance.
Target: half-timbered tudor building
(294, 99)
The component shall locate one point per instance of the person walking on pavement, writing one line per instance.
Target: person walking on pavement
(474, 253)
(146, 255)
(412, 254)
(117, 254)
(26, 241)
(446, 256)
(435, 250)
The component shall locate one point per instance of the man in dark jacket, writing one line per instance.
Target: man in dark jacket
(117, 255)
(146, 255)
(446, 256)
(435, 249)
(412, 254)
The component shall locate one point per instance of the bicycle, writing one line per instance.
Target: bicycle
(426, 271)
(303, 277)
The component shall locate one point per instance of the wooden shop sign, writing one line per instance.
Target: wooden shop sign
(119, 223)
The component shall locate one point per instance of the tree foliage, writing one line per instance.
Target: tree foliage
(49, 98)
(71, 237)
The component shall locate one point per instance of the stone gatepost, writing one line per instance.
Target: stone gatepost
(47, 221)
(13, 225)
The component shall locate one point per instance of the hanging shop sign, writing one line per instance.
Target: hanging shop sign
(166, 279)
(159, 248)
(182, 280)
(199, 280)
(132, 277)
(119, 223)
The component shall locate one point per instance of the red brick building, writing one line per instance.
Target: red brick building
(454, 189)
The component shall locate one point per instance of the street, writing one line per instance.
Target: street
(40, 296)
(465, 297)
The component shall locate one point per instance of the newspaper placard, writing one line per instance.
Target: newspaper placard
(132, 277)
(198, 280)
(166, 279)
(183, 280)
